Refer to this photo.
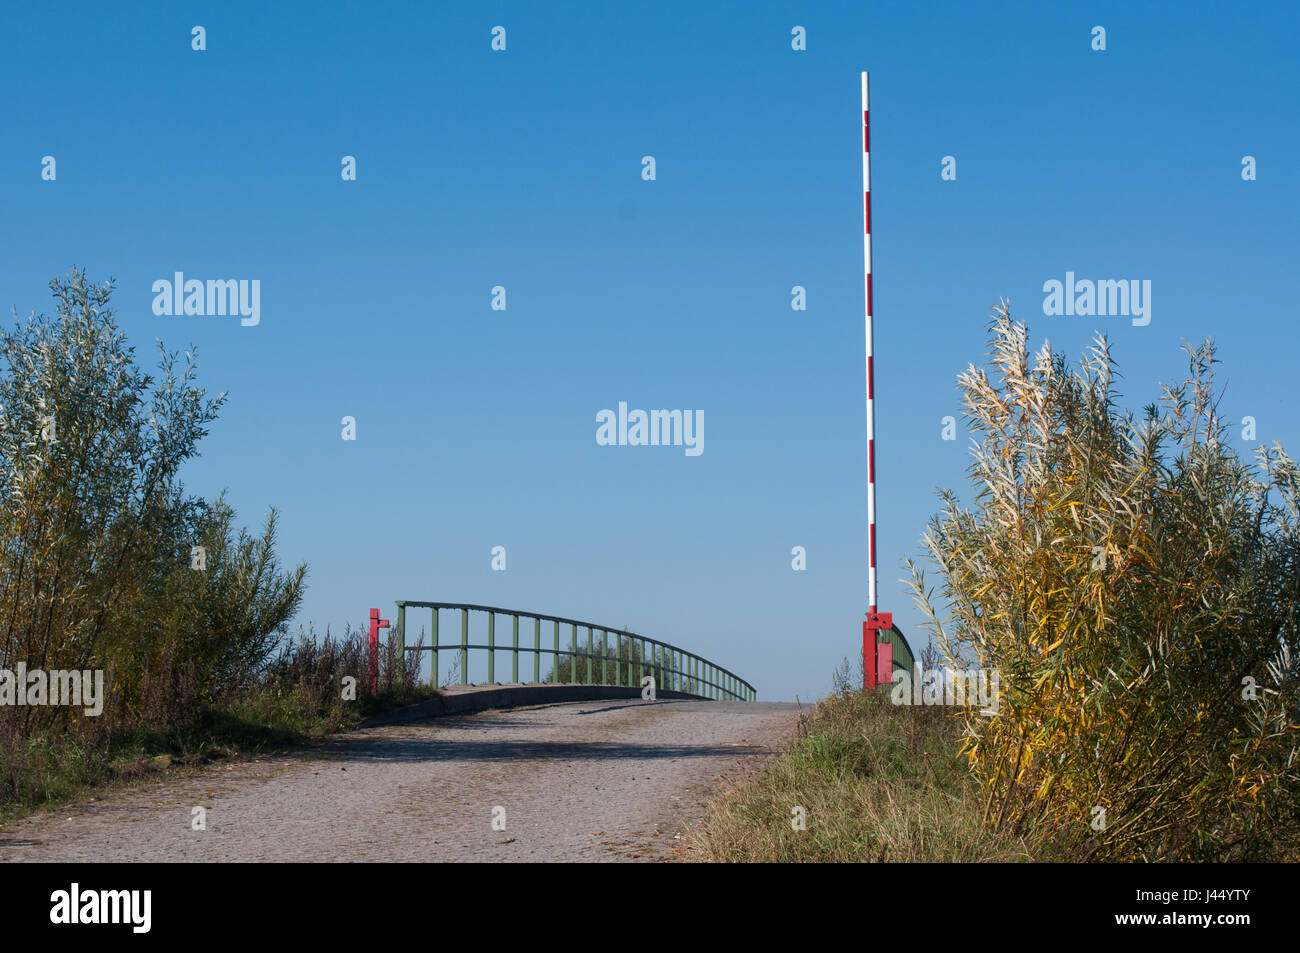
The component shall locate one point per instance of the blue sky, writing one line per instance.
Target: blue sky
(522, 168)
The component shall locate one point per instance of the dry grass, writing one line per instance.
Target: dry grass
(878, 783)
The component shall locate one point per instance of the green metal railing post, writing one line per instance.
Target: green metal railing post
(555, 670)
(514, 652)
(401, 632)
(492, 648)
(604, 656)
(590, 679)
(433, 653)
(464, 646)
(573, 656)
(537, 650)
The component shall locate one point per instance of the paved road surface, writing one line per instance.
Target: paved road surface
(582, 781)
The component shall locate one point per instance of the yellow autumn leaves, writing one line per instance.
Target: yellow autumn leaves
(1131, 580)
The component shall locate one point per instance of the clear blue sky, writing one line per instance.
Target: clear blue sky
(476, 427)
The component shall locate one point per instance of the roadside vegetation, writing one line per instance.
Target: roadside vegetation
(107, 564)
(876, 783)
(1135, 584)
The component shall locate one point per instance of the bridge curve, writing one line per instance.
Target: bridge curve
(624, 664)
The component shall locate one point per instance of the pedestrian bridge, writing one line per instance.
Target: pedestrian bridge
(576, 652)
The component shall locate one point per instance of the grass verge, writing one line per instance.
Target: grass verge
(877, 782)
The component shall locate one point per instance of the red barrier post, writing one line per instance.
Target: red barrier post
(871, 669)
(868, 656)
(376, 624)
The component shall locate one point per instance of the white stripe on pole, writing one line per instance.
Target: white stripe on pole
(871, 410)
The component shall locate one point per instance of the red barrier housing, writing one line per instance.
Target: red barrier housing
(872, 652)
(884, 663)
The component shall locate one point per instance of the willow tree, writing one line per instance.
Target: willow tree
(1136, 585)
(105, 561)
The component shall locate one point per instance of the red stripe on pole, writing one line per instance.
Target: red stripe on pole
(873, 545)
(871, 461)
(868, 294)
(866, 201)
(871, 380)
(866, 133)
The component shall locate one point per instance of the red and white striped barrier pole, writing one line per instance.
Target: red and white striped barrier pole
(871, 390)
(871, 675)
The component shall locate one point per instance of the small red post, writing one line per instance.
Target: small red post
(871, 654)
(376, 624)
(868, 656)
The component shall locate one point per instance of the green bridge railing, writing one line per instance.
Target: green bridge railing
(631, 657)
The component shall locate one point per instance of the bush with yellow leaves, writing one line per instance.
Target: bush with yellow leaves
(1135, 584)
